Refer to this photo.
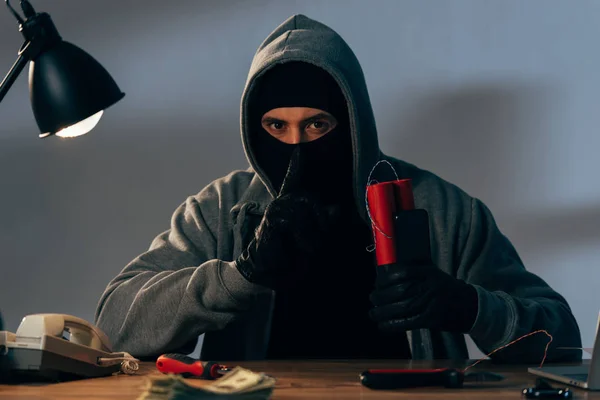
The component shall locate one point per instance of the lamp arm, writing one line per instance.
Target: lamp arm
(15, 70)
(39, 32)
(14, 12)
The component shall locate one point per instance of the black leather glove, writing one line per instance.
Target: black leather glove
(422, 296)
(293, 229)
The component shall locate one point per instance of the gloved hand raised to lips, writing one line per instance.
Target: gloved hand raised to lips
(293, 229)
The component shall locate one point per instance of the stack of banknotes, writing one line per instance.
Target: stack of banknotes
(239, 383)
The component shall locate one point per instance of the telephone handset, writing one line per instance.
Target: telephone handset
(81, 331)
(39, 348)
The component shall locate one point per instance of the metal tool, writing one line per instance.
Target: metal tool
(388, 379)
(187, 366)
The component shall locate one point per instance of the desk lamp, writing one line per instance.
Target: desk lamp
(69, 90)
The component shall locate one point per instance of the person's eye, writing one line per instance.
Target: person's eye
(322, 126)
(276, 126)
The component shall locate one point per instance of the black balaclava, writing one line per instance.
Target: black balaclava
(328, 160)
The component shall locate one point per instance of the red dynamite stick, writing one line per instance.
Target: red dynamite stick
(404, 195)
(384, 200)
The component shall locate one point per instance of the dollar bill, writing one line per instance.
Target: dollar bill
(241, 380)
(239, 383)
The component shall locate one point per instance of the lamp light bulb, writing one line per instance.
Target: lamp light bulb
(79, 128)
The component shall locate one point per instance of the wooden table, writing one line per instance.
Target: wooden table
(298, 380)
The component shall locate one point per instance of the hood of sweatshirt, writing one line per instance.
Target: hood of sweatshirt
(300, 38)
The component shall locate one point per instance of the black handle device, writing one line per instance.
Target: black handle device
(388, 379)
(544, 390)
(533, 393)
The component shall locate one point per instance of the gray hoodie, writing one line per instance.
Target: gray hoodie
(186, 284)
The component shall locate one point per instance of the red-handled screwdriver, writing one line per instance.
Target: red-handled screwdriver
(187, 366)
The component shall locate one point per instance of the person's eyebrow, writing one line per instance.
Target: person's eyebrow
(317, 117)
(271, 120)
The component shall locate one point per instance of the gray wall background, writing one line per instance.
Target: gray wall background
(499, 97)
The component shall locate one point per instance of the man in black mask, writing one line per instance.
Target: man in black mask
(271, 262)
(311, 245)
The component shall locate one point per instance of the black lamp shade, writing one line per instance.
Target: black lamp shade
(67, 85)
